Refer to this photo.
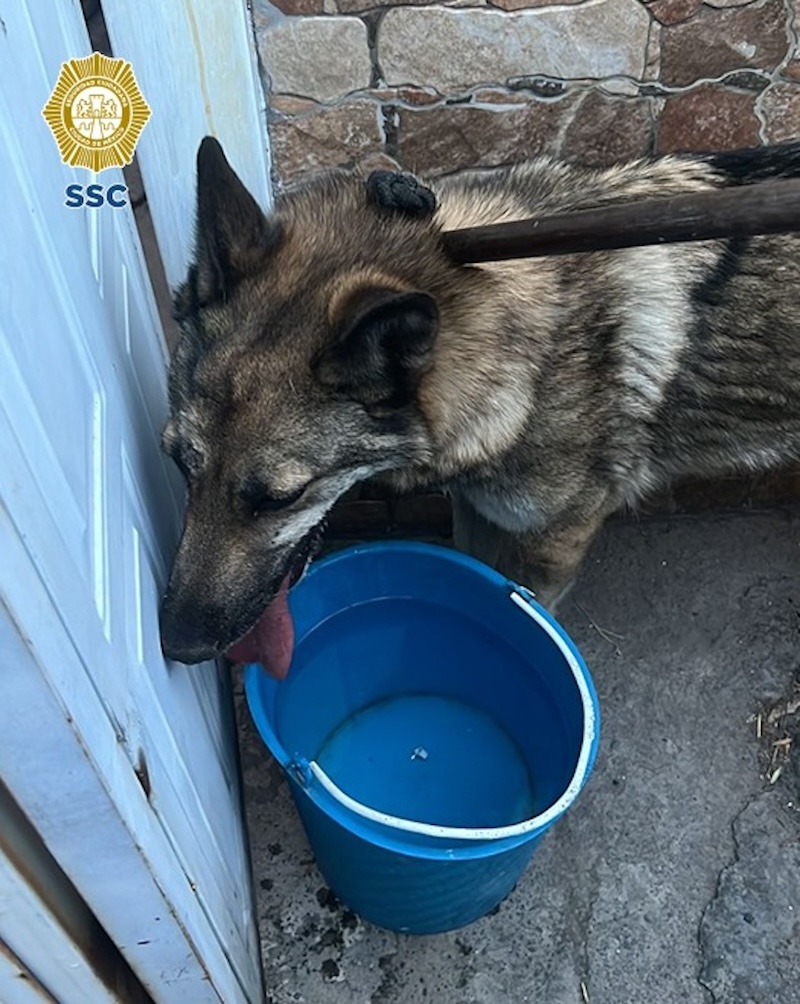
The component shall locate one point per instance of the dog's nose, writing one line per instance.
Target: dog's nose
(186, 654)
(184, 633)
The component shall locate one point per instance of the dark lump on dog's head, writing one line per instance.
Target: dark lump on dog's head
(401, 193)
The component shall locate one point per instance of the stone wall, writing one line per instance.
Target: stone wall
(438, 88)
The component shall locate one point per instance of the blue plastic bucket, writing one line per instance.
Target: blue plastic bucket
(434, 723)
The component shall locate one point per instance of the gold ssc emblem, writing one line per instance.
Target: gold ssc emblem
(96, 112)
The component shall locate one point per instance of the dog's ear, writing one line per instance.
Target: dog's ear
(233, 235)
(383, 347)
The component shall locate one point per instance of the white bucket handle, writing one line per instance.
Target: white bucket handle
(302, 769)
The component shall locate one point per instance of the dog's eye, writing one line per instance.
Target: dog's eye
(260, 502)
(187, 458)
(181, 464)
(184, 461)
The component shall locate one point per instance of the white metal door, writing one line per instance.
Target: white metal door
(52, 948)
(124, 764)
(30, 925)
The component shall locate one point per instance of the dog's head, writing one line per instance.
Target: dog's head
(304, 337)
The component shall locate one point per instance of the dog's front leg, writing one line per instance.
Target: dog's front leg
(546, 562)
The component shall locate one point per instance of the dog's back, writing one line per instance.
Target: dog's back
(660, 361)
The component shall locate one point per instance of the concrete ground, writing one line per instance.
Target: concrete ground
(676, 875)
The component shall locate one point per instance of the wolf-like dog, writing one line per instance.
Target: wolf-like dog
(333, 340)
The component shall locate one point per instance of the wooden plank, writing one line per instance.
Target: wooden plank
(409, 515)
(358, 518)
(429, 514)
(770, 207)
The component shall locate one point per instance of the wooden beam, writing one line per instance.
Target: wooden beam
(770, 207)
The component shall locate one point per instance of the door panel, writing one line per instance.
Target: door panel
(128, 765)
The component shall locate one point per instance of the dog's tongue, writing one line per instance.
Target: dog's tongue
(271, 641)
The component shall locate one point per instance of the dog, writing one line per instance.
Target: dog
(333, 340)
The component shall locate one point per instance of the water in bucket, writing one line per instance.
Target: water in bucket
(431, 758)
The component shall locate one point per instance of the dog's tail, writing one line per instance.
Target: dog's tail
(747, 167)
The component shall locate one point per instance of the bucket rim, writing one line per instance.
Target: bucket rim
(306, 772)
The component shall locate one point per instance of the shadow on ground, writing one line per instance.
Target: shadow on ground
(676, 876)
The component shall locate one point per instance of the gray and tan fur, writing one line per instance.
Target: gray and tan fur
(334, 341)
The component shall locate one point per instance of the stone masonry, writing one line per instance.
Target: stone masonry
(437, 88)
